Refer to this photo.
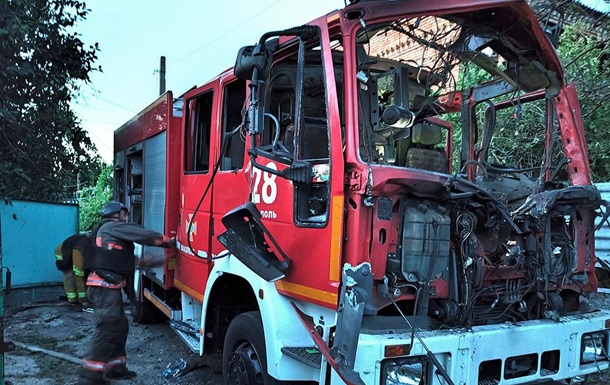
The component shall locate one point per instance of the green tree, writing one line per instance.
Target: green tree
(91, 199)
(45, 153)
(586, 59)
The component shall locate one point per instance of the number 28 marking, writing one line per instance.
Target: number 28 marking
(268, 190)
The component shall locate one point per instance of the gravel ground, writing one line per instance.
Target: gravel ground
(59, 327)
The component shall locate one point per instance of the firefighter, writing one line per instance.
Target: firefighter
(109, 266)
(69, 260)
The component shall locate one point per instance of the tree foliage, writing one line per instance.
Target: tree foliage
(519, 130)
(586, 57)
(44, 150)
(91, 199)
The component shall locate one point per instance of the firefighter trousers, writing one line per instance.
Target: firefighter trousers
(74, 286)
(107, 349)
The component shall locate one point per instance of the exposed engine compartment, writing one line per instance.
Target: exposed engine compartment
(494, 265)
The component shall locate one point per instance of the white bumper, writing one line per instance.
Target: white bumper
(462, 351)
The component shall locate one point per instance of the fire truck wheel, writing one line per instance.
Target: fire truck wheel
(244, 361)
(142, 310)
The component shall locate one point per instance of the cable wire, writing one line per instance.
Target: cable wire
(226, 33)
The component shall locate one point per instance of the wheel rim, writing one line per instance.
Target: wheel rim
(244, 366)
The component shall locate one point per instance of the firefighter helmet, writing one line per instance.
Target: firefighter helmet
(113, 207)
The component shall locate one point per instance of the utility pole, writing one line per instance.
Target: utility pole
(162, 76)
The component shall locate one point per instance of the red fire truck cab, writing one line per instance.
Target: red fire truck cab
(396, 193)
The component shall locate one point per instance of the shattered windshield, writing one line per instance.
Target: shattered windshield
(456, 95)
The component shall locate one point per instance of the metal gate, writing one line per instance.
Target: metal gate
(29, 233)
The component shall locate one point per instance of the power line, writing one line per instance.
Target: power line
(145, 85)
(183, 58)
(90, 132)
(104, 122)
(100, 141)
(226, 33)
(97, 96)
(103, 99)
(116, 104)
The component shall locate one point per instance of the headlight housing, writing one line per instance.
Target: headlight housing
(593, 347)
(406, 371)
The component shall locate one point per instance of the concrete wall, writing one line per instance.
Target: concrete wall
(29, 233)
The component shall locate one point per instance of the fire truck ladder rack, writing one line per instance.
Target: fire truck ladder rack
(188, 331)
(309, 356)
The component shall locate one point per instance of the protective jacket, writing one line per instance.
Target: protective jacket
(114, 246)
(111, 262)
(64, 261)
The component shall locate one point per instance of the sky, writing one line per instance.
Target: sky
(199, 38)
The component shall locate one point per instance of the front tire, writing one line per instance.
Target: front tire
(244, 357)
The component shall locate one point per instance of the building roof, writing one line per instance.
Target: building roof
(593, 14)
(600, 6)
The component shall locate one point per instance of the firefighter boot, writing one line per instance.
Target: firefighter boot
(120, 374)
(89, 377)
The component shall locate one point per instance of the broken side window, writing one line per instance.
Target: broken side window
(233, 110)
(197, 135)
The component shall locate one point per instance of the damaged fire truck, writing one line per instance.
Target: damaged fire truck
(350, 205)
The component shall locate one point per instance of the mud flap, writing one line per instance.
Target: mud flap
(350, 377)
(245, 239)
(356, 288)
(355, 295)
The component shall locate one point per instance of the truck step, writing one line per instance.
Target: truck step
(170, 313)
(310, 356)
(188, 331)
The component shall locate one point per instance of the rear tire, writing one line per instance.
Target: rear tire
(142, 310)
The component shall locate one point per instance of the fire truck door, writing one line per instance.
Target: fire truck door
(230, 187)
(301, 217)
(194, 230)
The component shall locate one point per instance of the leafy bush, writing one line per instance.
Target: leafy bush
(91, 199)
(587, 65)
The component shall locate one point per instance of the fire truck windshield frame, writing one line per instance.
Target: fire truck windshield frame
(407, 69)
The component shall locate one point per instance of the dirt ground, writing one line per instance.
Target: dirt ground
(59, 327)
(54, 325)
